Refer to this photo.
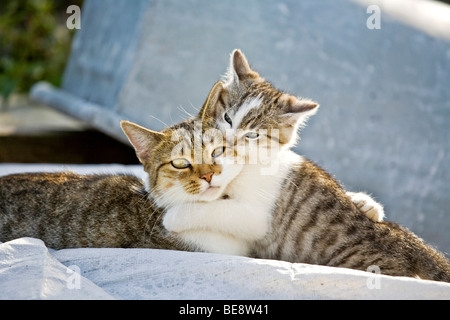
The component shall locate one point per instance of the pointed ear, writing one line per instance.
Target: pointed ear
(142, 139)
(239, 70)
(241, 66)
(213, 105)
(297, 110)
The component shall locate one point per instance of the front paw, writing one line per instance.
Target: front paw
(367, 205)
(173, 219)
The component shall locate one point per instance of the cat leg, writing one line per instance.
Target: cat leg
(242, 220)
(367, 205)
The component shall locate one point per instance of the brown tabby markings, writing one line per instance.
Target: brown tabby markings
(67, 210)
(314, 220)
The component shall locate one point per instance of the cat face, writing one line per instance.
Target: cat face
(186, 162)
(256, 118)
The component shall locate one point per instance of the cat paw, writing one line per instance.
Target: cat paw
(367, 205)
(173, 219)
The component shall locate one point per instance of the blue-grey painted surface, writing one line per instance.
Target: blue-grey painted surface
(384, 121)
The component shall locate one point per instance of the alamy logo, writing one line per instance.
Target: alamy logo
(374, 282)
(374, 20)
(74, 20)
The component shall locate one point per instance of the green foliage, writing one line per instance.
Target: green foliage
(34, 43)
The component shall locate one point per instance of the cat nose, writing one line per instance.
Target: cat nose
(207, 176)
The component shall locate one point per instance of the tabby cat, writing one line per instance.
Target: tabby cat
(68, 210)
(214, 197)
(312, 219)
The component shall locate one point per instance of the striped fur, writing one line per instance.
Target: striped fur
(67, 210)
(314, 220)
(221, 215)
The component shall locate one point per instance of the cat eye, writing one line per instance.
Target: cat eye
(218, 152)
(180, 163)
(251, 135)
(227, 118)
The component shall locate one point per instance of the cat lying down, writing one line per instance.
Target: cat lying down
(225, 182)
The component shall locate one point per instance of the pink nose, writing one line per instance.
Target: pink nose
(207, 176)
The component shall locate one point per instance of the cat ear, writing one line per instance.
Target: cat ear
(241, 66)
(142, 139)
(296, 112)
(239, 69)
(213, 105)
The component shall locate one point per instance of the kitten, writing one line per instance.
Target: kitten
(193, 176)
(313, 220)
(67, 210)
(212, 195)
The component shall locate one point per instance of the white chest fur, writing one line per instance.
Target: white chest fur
(230, 225)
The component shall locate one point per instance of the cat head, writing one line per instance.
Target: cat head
(251, 111)
(186, 162)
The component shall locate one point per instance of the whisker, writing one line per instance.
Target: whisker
(165, 124)
(181, 108)
(157, 221)
(194, 107)
(145, 227)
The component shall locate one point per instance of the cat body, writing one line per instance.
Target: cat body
(316, 222)
(244, 216)
(186, 193)
(313, 220)
(68, 210)
(221, 201)
(227, 210)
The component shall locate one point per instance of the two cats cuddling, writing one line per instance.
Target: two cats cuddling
(213, 187)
